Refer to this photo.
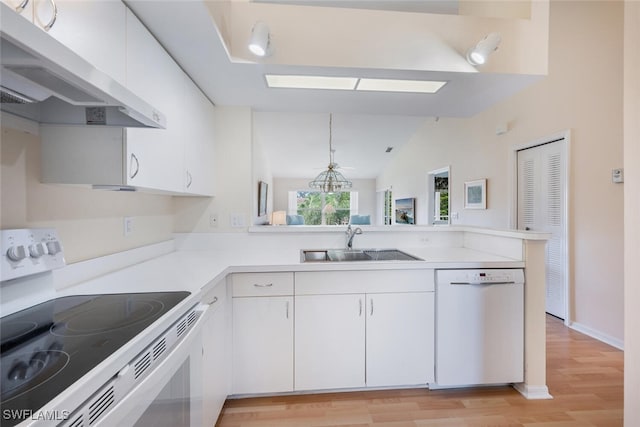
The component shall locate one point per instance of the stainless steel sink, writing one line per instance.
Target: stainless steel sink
(390, 255)
(338, 255)
(341, 255)
(314, 255)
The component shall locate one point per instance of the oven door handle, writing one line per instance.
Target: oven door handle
(136, 402)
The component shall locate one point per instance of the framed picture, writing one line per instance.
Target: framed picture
(406, 211)
(475, 194)
(262, 198)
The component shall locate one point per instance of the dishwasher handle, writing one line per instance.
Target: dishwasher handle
(483, 283)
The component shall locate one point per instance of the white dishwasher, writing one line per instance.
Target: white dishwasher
(479, 327)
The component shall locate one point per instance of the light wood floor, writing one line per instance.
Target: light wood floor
(585, 377)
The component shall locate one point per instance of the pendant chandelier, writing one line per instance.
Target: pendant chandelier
(330, 181)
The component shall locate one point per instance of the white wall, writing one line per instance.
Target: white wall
(580, 94)
(89, 222)
(366, 189)
(632, 213)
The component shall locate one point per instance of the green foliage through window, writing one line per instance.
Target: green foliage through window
(334, 207)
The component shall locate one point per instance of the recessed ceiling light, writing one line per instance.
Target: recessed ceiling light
(393, 85)
(311, 82)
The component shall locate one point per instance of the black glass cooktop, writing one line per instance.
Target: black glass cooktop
(46, 348)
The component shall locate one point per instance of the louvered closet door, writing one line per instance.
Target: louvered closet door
(542, 180)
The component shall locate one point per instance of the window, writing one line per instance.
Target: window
(441, 199)
(388, 207)
(439, 196)
(323, 208)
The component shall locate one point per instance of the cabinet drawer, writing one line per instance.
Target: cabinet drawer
(261, 284)
(364, 282)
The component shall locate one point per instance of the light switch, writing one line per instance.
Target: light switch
(128, 226)
(238, 220)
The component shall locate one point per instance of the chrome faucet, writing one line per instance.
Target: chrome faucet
(351, 234)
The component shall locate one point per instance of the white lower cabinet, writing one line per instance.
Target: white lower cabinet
(338, 330)
(374, 329)
(216, 355)
(263, 315)
(329, 342)
(400, 339)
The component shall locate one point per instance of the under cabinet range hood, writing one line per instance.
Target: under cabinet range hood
(45, 81)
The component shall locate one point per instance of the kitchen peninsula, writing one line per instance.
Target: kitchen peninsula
(212, 266)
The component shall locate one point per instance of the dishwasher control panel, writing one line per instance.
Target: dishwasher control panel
(488, 276)
(29, 251)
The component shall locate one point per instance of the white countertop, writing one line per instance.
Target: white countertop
(199, 271)
(194, 271)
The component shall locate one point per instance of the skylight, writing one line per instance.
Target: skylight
(352, 83)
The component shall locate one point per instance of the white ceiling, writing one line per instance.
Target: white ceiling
(292, 125)
(448, 7)
(298, 143)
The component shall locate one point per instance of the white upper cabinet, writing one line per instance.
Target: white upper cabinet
(156, 155)
(176, 160)
(23, 7)
(198, 142)
(95, 30)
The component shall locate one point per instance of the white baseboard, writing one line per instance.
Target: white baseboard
(533, 392)
(614, 342)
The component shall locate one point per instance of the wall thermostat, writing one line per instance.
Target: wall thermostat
(617, 175)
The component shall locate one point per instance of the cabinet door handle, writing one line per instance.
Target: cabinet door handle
(371, 314)
(214, 300)
(266, 285)
(360, 311)
(287, 309)
(134, 158)
(21, 6)
(189, 179)
(54, 16)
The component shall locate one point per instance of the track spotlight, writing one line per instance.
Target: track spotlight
(478, 54)
(260, 42)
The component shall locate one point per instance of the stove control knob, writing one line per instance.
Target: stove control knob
(18, 372)
(53, 246)
(39, 361)
(16, 253)
(36, 250)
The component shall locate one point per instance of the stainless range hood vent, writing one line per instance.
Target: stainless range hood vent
(44, 81)
(8, 96)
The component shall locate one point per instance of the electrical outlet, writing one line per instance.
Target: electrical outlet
(213, 220)
(617, 176)
(128, 226)
(454, 215)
